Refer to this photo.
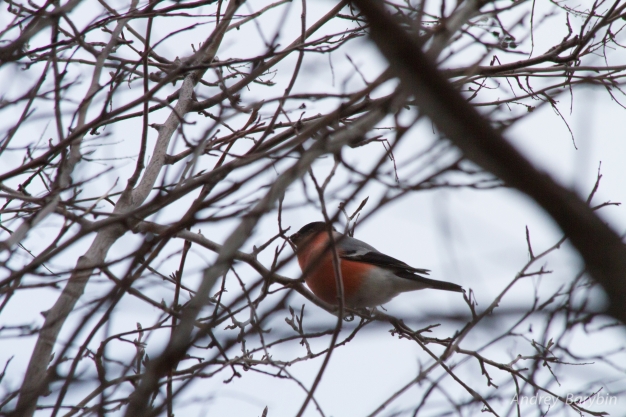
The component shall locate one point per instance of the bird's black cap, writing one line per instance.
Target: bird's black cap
(306, 231)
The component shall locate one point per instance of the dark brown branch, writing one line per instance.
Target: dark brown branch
(601, 248)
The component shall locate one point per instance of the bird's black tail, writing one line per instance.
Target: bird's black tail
(430, 283)
(441, 285)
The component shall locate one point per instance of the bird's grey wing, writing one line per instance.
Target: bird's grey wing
(358, 251)
(355, 250)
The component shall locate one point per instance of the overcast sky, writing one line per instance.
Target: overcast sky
(475, 238)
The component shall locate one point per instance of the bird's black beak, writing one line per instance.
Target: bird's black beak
(295, 238)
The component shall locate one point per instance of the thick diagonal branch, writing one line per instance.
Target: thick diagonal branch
(601, 248)
(36, 380)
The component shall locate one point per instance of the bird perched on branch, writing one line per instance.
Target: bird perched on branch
(370, 278)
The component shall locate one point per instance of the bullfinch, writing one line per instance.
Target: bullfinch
(370, 278)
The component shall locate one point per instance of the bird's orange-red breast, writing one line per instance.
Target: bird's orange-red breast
(370, 278)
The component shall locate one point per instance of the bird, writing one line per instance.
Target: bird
(370, 278)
